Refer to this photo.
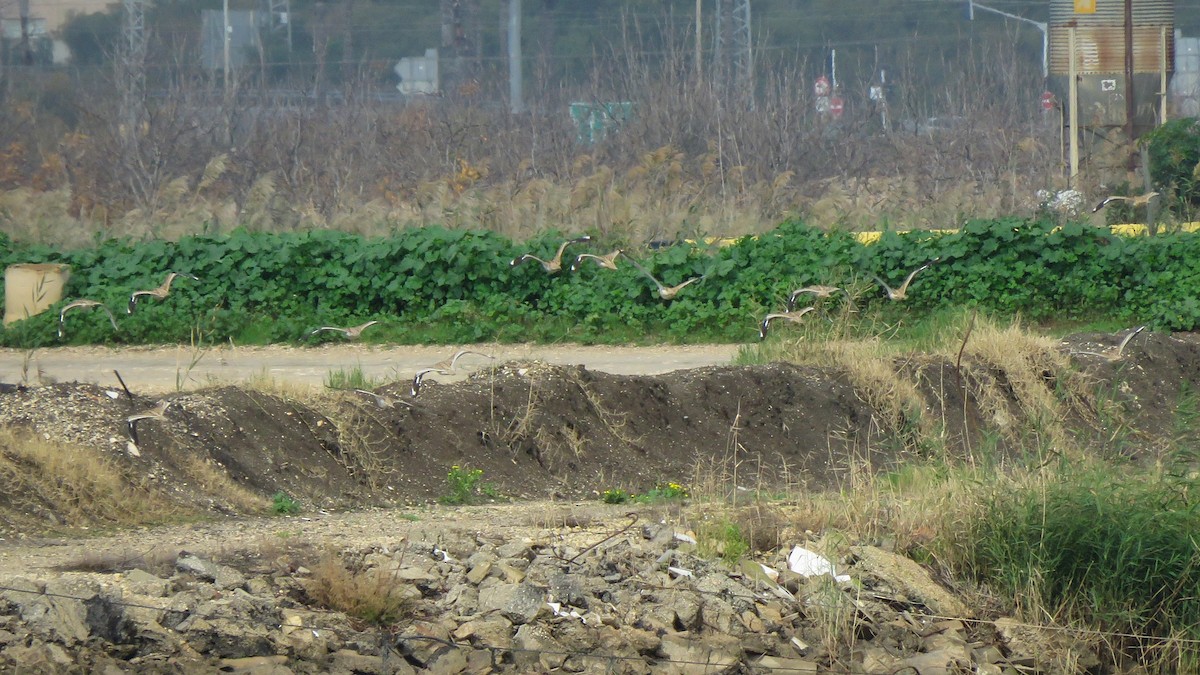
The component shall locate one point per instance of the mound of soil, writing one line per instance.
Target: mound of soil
(537, 430)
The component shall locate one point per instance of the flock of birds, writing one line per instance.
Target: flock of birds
(160, 292)
(551, 266)
(449, 366)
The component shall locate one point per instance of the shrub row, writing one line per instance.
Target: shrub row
(443, 285)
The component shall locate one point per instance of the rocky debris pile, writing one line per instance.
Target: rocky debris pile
(633, 598)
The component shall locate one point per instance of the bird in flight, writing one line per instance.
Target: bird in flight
(446, 366)
(608, 262)
(381, 401)
(665, 292)
(443, 367)
(353, 332)
(1134, 201)
(1116, 356)
(419, 379)
(158, 412)
(160, 292)
(787, 316)
(898, 294)
(554, 264)
(817, 291)
(82, 304)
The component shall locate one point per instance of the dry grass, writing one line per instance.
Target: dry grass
(160, 562)
(373, 596)
(288, 390)
(211, 478)
(362, 438)
(664, 195)
(72, 486)
(1028, 368)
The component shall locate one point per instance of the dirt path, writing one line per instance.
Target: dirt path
(41, 556)
(162, 369)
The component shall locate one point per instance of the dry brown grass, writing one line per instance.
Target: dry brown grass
(1013, 362)
(373, 596)
(212, 479)
(72, 486)
(666, 194)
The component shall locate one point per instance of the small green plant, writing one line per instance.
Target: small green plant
(284, 505)
(724, 539)
(664, 492)
(615, 496)
(353, 378)
(464, 485)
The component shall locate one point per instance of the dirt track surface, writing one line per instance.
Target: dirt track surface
(164, 369)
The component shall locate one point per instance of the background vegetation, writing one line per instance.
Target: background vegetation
(318, 137)
(441, 285)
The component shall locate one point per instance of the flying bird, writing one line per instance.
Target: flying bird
(608, 262)
(817, 291)
(665, 292)
(898, 294)
(353, 332)
(158, 412)
(1134, 201)
(443, 367)
(160, 292)
(554, 264)
(419, 379)
(1116, 356)
(787, 316)
(447, 366)
(382, 402)
(82, 304)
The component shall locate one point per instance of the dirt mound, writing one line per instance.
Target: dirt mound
(537, 430)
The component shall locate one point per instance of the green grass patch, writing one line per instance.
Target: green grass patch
(352, 378)
(1117, 550)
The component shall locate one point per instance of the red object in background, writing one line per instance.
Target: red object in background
(821, 86)
(1047, 101)
(836, 106)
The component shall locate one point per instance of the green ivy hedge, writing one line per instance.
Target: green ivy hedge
(440, 285)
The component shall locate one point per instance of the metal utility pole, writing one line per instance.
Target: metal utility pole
(461, 41)
(699, 41)
(132, 64)
(515, 84)
(26, 47)
(734, 49)
(1130, 107)
(225, 28)
(1045, 28)
(280, 12)
(1073, 102)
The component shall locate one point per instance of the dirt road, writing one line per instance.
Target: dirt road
(161, 369)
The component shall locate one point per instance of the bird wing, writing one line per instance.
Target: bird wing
(883, 283)
(1121, 347)
(646, 272)
(133, 300)
(463, 352)
(419, 377)
(579, 258)
(1106, 201)
(111, 319)
(526, 257)
(908, 280)
(676, 289)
